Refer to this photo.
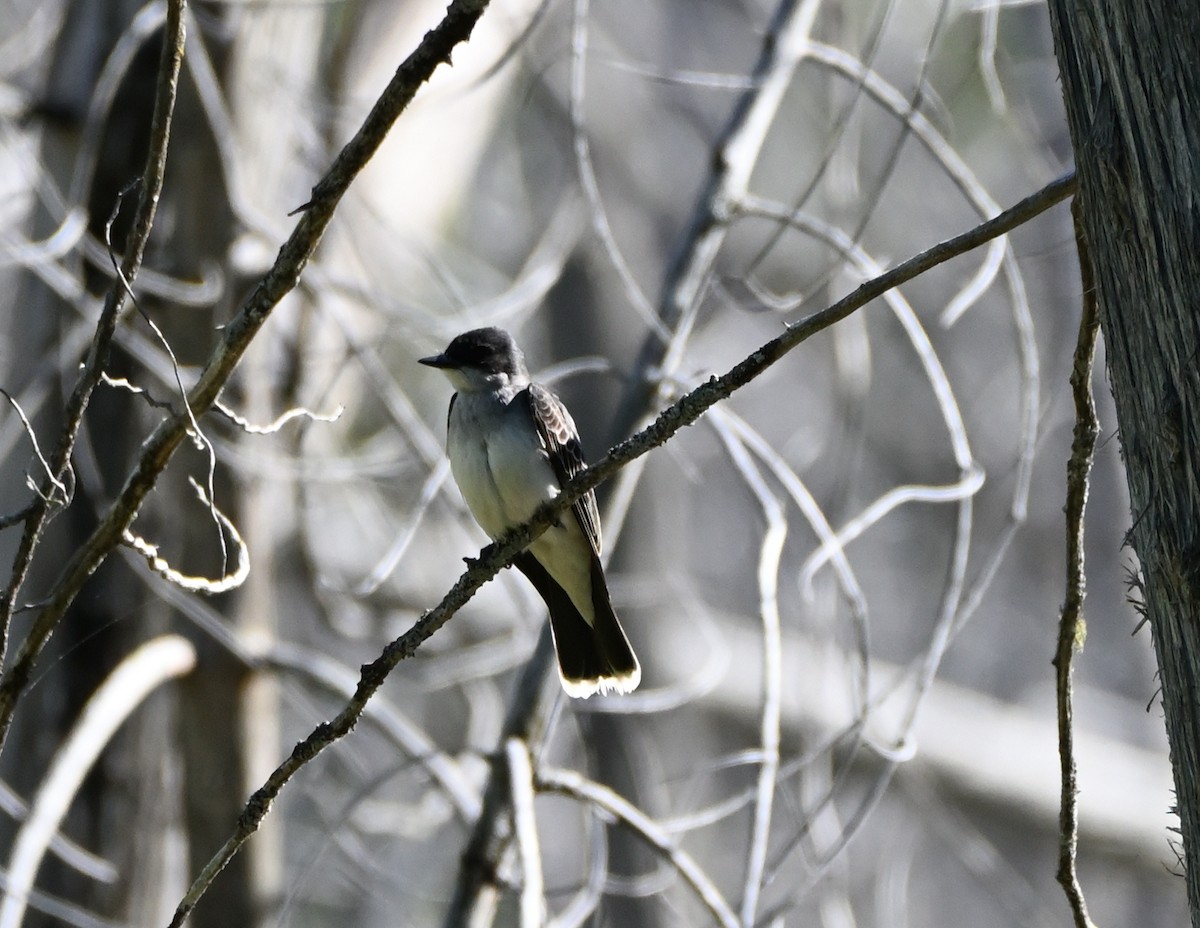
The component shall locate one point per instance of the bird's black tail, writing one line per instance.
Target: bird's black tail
(591, 658)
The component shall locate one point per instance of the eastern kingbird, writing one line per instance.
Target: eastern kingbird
(512, 445)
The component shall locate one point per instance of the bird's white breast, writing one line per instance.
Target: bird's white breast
(498, 462)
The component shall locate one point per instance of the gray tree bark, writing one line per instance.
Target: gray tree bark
(1132, 92)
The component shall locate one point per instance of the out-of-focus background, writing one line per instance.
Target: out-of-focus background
(843, 583)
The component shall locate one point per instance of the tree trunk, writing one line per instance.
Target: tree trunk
(1132, 94)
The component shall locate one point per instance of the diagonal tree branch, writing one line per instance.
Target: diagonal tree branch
(49, 496)
(735, 154)
(499, 554)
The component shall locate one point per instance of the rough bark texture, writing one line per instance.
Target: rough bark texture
(1132, 94)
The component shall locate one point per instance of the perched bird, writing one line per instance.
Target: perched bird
(512, 445)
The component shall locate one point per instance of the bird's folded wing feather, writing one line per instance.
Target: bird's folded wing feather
(560, 439)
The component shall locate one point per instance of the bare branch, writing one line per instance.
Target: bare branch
(1071, 627)
(151, 665)
(476, 888)
(78, 858)
(55, 485)
(520, 781)
(97, 356)
(965, 487)
(200, 440)
(587, 172)
(734, 156)
(851, 588)
(572, 784)
(770, 554)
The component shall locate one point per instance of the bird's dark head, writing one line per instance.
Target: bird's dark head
(482, 357)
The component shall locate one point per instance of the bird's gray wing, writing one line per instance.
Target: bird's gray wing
(560, 440)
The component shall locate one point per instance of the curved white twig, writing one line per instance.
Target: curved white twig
(570, 783)
(770, 554)
(139, 674)
(520, 782)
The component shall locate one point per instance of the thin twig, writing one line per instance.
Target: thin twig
(803, 499)
(587, 172)
(229, 579)
(769, 556)
(570, 783)
(298, 412)
(582, 907)
(435, 49)
(64, 495)
(199, 439)
(477, 887)
(1071, 627)
(97, 355)
(520, 781)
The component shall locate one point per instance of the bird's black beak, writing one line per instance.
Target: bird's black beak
(436, 360)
